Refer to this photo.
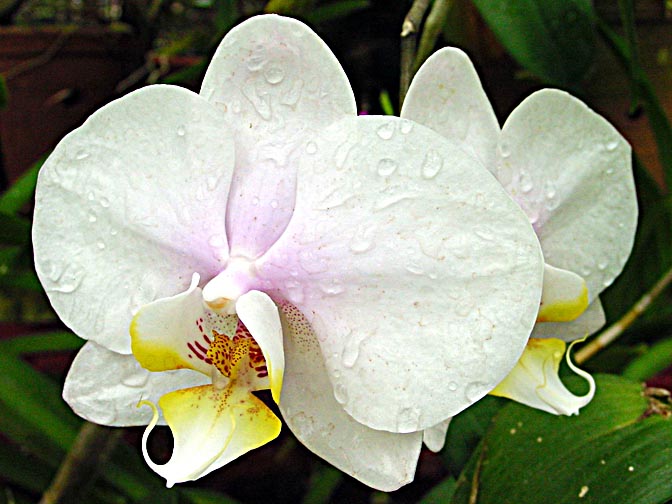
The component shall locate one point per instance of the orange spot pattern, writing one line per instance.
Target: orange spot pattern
(227, 354)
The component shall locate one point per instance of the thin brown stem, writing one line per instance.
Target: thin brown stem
(91, 449)
(614, 331)
(409, 35)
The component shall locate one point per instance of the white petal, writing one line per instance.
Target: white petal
(590, 321)
(564, 296)
(447, 96)
(277, 83)
(412, 265)
(535, 381)
(570, 170)
(105, 387)
(260, 315)
(379, 459)
(435, 437)
(128, 206)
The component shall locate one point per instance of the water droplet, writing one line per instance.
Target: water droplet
(464, 307)
(340, 393)
(452, 386)
(311, 147)
(612, 145)
(137, 379)
(181, 131)
(352, 348)
(525, 182)
(386, 167)
(504, 150)
(255, 201)
(105, 416)
(274, 203)
(113, 232)
(602, 265)
(257, 60)
(360, 244)
(609, 171)
(100, 244)
(415, 269)
(81, 155)
(475, 390)
(92, 217)
(406, 126)
(302, 423)
(408, 420)
(333, 288)
(432, 164)
(91, 196)
(291, 98)
(104, 202)
(213, 182)
(274, 75)
(386, 130)
(294, 291)
(549, 189)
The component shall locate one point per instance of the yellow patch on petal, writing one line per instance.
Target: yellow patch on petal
(211, 427)
(534, 380)
(564, 296)
(151, 354)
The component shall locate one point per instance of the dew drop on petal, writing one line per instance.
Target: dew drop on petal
(81, 155)
(138, 379)
(100, 244)
(609, 171)
(549, 189)
(274, 75)
(452, 386)
(525, 182)
(408, 419)
(274, 203)
(612, 145)
(181, 130)
(360, 244)
(386, 167)
(406, 126)
(504, 150)
(340, 393)
(432, 164)
(104, 202)
(311, 148)
(255, 201)
(474, 391)
(92, 217)
(352, 347)
(602, 265)
(386, 131)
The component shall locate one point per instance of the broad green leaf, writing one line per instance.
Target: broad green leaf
(21, 191)
(289, 7)
(322, 484)
(57, 341)
(616, 451)
(553, 39)
(14, 230)
(466, 430)
(441, 493)
(653, 361)
(335, 10)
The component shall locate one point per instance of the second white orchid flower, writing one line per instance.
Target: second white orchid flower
(571, 172)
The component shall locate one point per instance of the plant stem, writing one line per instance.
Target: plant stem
(409, 31)
(93, 446)
(614, 331)
(436, 20)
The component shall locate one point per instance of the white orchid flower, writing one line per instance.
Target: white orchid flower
(261, 235)
(570, 171)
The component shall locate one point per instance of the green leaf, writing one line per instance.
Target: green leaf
(653, 361)
(441, 493)
(21, 191)
(614, 451)
(335, 10)
(14, 230)
(289, 7)
(323, 482)
(553, 39)
(57, 341)
(466, 430)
